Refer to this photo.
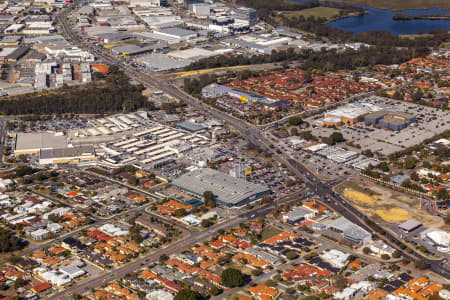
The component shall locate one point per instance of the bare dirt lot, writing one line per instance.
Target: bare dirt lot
(384, 205)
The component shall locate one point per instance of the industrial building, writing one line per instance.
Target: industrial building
(391, 120)
(179, 34)
(159, 62)
(409, 225)
(33, 143)
(201, 9)
(215, 90)
(227, 190)
(350, 231)
(72, 155)
(131, 50)
(191, 127)
(245, 15)
(298, 214)
(147, 3)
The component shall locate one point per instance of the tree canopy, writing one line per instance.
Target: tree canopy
(232, 277)
(116, 94)
(9, 242)
(187, 294)
(334, 138)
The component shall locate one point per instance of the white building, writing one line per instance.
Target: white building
(72, 271)
(179, 34)
(350, 292)
(147, 3)
(381, 248)
(55, 278)
(39, 235)
(440, 238)
(5, 183)
(192, 220)
(54, 227)
(201, 9)
(336, 257)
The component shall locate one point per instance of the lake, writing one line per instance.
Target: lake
(381, 19)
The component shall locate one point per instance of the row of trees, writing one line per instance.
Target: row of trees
(321, 60)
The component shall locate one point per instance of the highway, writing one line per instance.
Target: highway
(252, 134)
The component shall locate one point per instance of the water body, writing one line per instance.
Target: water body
(381, 19)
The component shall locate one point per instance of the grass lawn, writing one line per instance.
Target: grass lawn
(298, 91)
(400, 4)
(316, 12)
(414, 36)
(269, 232)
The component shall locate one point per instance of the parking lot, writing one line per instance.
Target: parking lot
(430, 122)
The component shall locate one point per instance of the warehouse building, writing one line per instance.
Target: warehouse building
(131, 50)
(159, 62)
(215, 90)
(179, 34)
(72, 155)
(191, 127)
(33, 143)
(147, 3)
(228, 191)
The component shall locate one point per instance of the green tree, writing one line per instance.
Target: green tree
(206, 223)
(187, 294)
(292, 255)
(295, 121)
(442, 194)
(294, 131)
(420, 264)
(214, 291)
(133, 180)
(383, 166)
(232, 277)
(410, 163)
(181, 212)
(134, 232)
(335, 137)
(367, 153)
(163, 258)
(208, 195)
(20, 282)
